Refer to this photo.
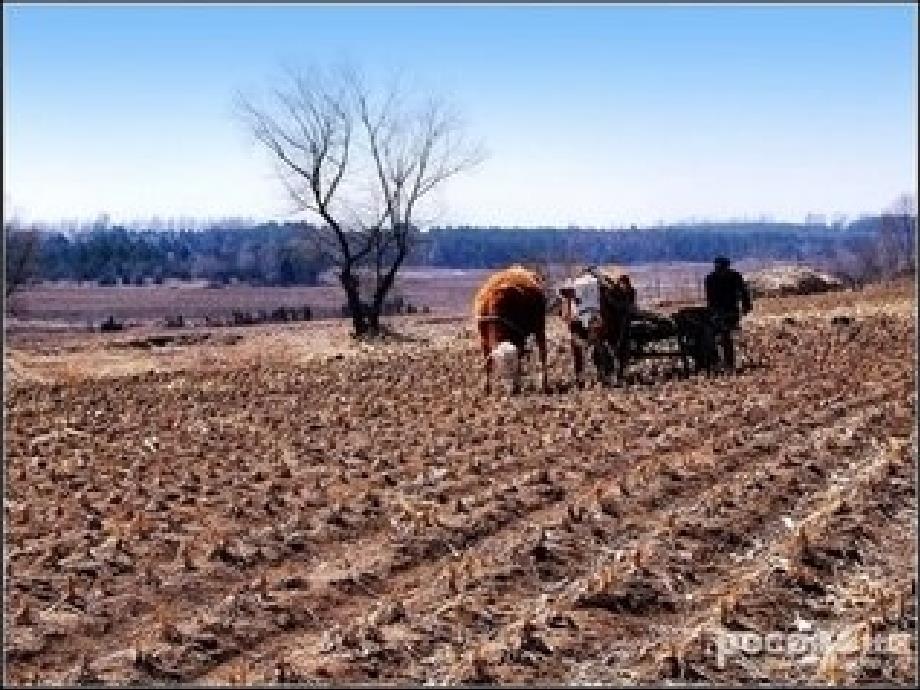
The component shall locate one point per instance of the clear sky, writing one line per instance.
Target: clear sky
(592, 115)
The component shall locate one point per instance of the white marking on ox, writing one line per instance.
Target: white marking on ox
(587, 299)
(505, 355)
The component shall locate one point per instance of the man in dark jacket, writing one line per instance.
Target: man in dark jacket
(725, 288)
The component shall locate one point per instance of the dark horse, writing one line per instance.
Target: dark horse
(602, 315)
(597, 309)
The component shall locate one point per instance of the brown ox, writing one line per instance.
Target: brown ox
(509, 308)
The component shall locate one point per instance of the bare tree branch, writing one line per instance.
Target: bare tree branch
(333, 141)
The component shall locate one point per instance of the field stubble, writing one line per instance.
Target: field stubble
(284, 508)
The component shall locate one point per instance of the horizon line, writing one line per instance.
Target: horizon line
(181, 222)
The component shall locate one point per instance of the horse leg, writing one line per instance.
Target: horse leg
(599, 357)
(578, 356)
(485, 342)
(541, 345)
(516, 387)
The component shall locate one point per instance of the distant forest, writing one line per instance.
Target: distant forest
(279, 254)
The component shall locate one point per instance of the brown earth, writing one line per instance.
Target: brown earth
(282, 503)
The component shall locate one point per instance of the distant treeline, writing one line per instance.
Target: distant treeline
(280, 254)
(261, 255)
(488, 247)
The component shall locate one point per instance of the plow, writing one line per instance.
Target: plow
(603, 318)
(688, 335)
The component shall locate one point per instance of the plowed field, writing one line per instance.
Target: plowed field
(295, 507)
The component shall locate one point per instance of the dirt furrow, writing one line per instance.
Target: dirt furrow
(635, 591)
(826, 510)
(438, 593)
(374, 517)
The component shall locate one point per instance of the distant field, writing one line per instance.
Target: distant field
(443, 291)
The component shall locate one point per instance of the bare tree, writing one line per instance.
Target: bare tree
(897, 237)
(889, 252)
(20, 257)
(362, 162)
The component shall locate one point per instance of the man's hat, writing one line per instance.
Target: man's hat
(722, 261)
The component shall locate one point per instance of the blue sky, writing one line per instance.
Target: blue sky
(592, 115)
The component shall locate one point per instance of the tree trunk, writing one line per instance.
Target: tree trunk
(373, 319)
(350, 285)
(383, 289)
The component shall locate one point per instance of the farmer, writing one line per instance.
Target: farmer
(725, 288)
